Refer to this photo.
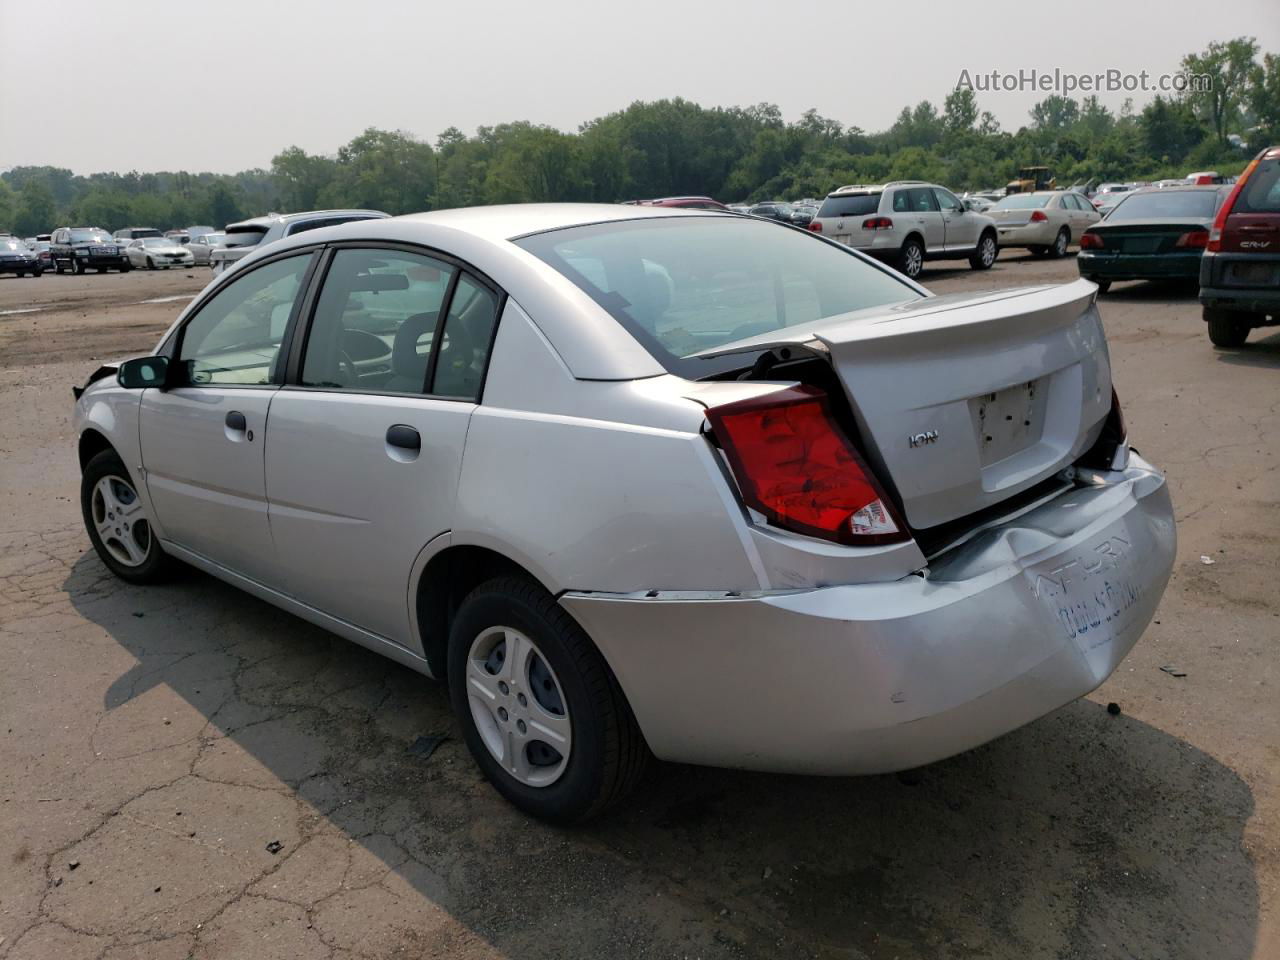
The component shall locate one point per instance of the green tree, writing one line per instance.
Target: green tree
(34, 210)
(1230, 70)
(960, 110)
(1055, 113)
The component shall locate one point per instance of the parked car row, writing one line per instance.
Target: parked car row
(1223, 234)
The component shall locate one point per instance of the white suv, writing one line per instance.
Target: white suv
(907, 222)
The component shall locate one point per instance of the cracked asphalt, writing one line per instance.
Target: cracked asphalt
(186, 772)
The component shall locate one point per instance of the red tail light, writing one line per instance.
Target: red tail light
(795, 465)
(1091, 241)
(1220, 221)
(877, 223)
(1037, 216)
(1196, 239)
(1204, 180)
(815, 226)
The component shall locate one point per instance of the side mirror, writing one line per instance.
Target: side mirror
(142, 372)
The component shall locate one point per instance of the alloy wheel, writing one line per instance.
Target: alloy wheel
(518, 706)
(913, 260)
(119, 521)
(988, 251)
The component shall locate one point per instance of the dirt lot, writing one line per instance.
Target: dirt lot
(157, 741)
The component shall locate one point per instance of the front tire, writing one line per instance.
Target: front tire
(540, 710)
(151, 264)
(984, 257)
(911, 258)
(1227, 328)
(117, 524)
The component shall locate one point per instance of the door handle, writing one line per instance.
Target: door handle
(235, 420)
(404, 437)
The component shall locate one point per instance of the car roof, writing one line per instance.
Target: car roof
(512, 221)
(271, 219)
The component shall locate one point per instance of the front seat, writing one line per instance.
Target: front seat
(408, 366)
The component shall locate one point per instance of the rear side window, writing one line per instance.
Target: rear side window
(922, 200)
(375, 321)
(857, 205)
(1261, 193)
(464, 345)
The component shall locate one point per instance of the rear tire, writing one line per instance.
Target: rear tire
(77, 267)
(911, 258)
(1060, 244)
(606, 751)
(1039, 251)
(984, 257)
(1227, 328)
(1103, 285)
(151, 264)
(112, 510)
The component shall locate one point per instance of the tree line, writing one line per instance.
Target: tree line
(672, 147)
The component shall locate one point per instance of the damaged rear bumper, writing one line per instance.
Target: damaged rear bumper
(1023, 618)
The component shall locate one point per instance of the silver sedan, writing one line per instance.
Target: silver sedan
(638, 481)
(158, 253)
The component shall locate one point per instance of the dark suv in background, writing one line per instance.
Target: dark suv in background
(1240, 270)
(80, 248)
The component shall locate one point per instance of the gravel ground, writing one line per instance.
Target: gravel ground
(187, 772)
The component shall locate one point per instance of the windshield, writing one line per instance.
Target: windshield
(1184, 203)
(90, 235)
(1023, 201)
(688, 285)
(12, 243)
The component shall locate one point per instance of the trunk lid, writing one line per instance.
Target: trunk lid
(965, 400)
(1156, 235)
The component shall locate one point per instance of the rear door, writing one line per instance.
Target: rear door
(367, 435)
(203, 439)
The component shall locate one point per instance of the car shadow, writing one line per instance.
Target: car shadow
(1079, 830)
(1262, 349)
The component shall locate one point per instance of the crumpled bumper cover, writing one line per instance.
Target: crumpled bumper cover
(870, 678)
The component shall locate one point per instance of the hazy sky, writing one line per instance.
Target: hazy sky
(224, 86)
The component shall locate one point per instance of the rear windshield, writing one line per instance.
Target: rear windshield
(245, 236)
(1180, 203)
(686, 285)
(858, 205)
(1261, 192)
(1023, 201)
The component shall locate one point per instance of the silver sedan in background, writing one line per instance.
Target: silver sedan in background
(635, 480)
(202, 246)
(1046, 222)
(158, 253)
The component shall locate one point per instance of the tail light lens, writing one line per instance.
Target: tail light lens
(794, 465)
(815, 226)
(1037, 216)
(1091, 241)
(1224, 211)
(877, 223)
(1195, 240)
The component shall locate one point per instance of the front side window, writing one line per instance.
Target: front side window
(948, 201)
(235, 337)
(375, 321)
(689, 285)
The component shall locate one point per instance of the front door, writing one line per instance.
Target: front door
(367, 435)
(960, 225)
(203, 439)
(923, 206)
